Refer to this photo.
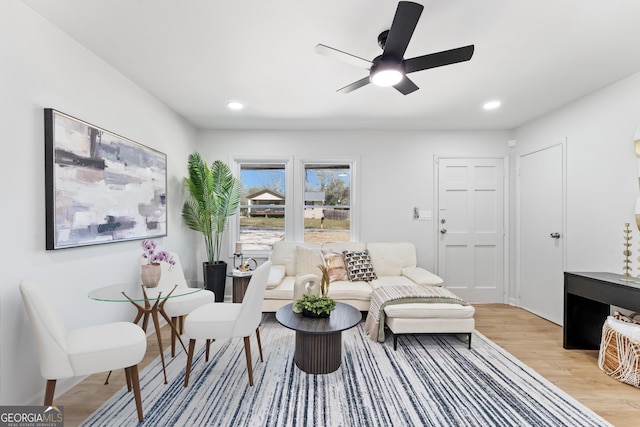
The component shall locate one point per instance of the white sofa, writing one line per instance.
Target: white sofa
(394, 263)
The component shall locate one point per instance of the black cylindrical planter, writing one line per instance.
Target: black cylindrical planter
(215, 278)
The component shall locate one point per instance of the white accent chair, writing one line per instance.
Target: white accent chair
(177, 308)
(225, 320)
(69, 353)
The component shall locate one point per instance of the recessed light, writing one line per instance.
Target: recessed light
(235, 105)
(491, 105)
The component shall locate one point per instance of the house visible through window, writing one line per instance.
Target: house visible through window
(327, 202)
(263, 212)
(315, 205)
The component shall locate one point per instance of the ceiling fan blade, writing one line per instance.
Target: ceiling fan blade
(343, 56)
(402, 28)
(355, 85)
(406, 86)
(439, 59)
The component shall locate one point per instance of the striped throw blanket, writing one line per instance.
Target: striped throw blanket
(391, 295)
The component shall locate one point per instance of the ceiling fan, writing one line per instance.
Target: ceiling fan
(390, 68)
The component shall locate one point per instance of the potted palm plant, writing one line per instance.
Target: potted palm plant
(214, 198)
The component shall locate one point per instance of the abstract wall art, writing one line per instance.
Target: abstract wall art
(100, 187)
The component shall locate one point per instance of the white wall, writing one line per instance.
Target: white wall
(395, 170)
(44, 68)
(602, 172)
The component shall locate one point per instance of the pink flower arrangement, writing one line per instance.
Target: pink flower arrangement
(153, 257)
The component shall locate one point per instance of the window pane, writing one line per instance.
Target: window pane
(262, 206)
(327, 203)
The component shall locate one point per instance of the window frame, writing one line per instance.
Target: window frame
(300, 190)
(234, 222)
(294, 197)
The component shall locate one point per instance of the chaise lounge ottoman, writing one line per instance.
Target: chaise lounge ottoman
(429, 318)
(418, 310)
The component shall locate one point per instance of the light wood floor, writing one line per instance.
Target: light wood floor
(535, 341)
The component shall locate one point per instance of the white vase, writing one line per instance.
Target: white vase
(150, 274)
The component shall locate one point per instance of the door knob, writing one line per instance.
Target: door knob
(443, 231)
(555, 235)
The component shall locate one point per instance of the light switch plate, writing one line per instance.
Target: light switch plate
(424, 216)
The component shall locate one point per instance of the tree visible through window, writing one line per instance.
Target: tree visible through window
(327, 202)
(314, 206)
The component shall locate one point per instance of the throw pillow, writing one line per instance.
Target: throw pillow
(627, 329)
(307, 260)
(336, 266)
(631, 318)
(421, 276)
(275, 276)
(359, 266)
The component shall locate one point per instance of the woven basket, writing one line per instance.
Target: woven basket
(619, 357)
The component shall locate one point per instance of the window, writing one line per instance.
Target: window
(314, 204)
(263, 215)
(327, 202)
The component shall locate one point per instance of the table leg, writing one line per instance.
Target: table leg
(148, 309)
(142, 311)
(170, 322)
(156, 324)
(174, 320)
(318, 353)
(583, 322)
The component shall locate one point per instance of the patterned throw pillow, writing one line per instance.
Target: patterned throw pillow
(359, 266)
(335, 263)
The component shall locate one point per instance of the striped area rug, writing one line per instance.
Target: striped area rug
(428, 381)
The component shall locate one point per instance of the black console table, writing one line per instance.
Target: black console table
(587, 301)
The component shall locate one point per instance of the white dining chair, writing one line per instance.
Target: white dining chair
(66, 353)
(177, 308)
(228, 320)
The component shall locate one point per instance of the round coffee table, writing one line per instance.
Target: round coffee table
(319, 341)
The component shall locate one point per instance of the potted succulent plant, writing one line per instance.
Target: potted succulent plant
(215, 196)
(315, 305)
(312, 305)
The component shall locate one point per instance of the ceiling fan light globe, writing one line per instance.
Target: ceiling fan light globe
(386, 77)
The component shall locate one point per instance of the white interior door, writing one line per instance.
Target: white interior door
(471, 228)
(540, 232)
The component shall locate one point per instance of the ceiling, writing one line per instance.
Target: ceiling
(195, 55)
